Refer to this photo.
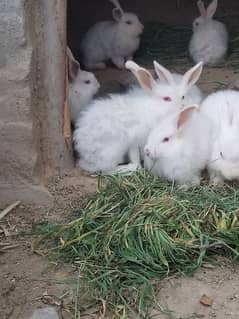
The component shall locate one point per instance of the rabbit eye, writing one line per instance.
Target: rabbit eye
(166, 139)
(183, 97)
(196, 23)
(87, 82)
(128, 22)
(167, 98)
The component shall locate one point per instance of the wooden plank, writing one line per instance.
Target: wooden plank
(67, 116)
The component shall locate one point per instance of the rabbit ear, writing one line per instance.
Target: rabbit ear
(73, 66)
(117, 11)
(192, 75)
(163, 74)
(117, 14)
(117, 5)
(201, 8)
(143, 76)
(186, 115)
(211, 9)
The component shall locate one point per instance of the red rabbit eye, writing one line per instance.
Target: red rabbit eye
(167, 98)
(166, 139)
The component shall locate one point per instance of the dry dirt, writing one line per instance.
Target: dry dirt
(28, 280)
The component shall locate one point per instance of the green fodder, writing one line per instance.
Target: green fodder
(164, 43)
(138, 230)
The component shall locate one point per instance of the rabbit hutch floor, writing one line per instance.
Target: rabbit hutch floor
(28, 280)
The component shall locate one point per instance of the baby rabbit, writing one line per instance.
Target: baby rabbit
(178, 148)
(118, 126)
(209, 41)
(82, 86)
(112, 40)
(222, 109)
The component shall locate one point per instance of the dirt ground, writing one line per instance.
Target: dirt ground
(28, 280)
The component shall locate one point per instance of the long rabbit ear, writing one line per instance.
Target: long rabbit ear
(73, 66)
(144, 77)
(186, 115)
(117, 14)
(116, 4)
(117, 11)
(163, 74)
(192, 75)
(201, 8)
(211, 9)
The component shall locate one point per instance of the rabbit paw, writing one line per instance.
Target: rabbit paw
(119, 62)
(195, 181)
(126, 169)
(216, 180)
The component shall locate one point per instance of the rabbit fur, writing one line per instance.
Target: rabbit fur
(116, 40)
(178, 148)
(209, 42)
(118, 126)
(222, 109)
(83, 86)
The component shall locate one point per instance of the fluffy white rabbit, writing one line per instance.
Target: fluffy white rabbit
(178, 148)
(112, 40)
(222, 108)
(82, 86)
(118, 126)
(209, 41)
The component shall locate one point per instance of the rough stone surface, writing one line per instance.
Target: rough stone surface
(17, 156)
(45, 313)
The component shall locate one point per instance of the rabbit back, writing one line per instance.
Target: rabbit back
(209, 43)
(114, 124)
(97, 43)
(222, 109)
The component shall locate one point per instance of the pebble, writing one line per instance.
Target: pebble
(45, 313)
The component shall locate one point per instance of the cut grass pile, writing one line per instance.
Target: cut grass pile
(138, 230)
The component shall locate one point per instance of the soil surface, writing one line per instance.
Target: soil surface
(28, 280)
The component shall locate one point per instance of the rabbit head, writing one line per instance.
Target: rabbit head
(83, 85)
(167, 90)
(81, 82)
(206, 14)
(128, 23)
(166, 139)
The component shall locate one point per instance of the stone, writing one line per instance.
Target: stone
(45, 313)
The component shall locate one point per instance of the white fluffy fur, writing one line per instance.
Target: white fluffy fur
(81, 92)
(223, 110)
(83, 86)
(193, 96)
(118, 126)
(209, 41)
(112, 40)
(184, 155)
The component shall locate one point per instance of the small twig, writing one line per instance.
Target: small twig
(9, 209)
(9, 247)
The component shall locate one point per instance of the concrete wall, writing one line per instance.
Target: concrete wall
(17, 155)
(32, 84)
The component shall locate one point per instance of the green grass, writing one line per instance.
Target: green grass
(138, 230)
